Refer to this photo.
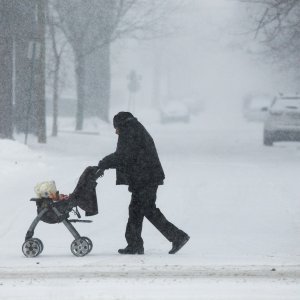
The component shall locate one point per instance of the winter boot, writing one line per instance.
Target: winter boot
(178, 244)
(132, 250)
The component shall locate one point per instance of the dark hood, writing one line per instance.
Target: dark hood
(122, 118)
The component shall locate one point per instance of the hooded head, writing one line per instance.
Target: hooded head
(121, 118)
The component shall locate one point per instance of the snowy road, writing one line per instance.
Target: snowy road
(238, 200)
(150, 272)
(152, 282)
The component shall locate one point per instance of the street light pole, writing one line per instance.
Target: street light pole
(133, 87)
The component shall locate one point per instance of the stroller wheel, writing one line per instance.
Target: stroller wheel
(80, 247)
(31, 248)
(40, 244)
(90, 244)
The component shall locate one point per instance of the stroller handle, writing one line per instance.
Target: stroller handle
(99, 173)
(41, 199)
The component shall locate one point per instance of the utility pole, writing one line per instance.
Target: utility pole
(40, 72)
(36, 52)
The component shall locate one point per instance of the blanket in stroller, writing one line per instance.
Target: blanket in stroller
(84, 196)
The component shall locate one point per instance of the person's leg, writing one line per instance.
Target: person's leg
(155, 216)
(135, 222)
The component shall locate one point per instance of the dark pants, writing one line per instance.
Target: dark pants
(143, 205)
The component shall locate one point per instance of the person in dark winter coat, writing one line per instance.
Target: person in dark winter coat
(137, 165)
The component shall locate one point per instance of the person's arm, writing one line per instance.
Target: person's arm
(108, 162)
(124, 155)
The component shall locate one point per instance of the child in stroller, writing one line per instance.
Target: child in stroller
(53, 208)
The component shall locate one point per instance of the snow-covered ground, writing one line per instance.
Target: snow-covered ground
(238, 200)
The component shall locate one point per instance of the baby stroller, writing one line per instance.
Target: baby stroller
(53, 210)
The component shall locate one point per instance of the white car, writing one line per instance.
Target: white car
(283, 120)
(256, 108)
(174, 111)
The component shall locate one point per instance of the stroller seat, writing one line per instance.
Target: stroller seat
(64, 207)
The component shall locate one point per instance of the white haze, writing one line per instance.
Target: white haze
(208, 59)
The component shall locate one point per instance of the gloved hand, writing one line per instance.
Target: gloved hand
(99, 173)
(101, 165)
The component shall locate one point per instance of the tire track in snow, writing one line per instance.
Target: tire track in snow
(271, 272)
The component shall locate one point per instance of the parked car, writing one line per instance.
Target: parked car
(194, 104)
(174, 111)
(255, 108)
(283, 120)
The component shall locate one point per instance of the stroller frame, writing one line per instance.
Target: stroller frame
(32, 247)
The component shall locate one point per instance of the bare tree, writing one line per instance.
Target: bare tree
(58, 46)
(29, 34)
(6, 58)
(93, 25)
(21, 25)
(277, 25)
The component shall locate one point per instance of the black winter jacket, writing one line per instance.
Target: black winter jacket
(136, 160)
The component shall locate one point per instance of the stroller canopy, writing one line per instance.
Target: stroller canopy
(84, 194)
